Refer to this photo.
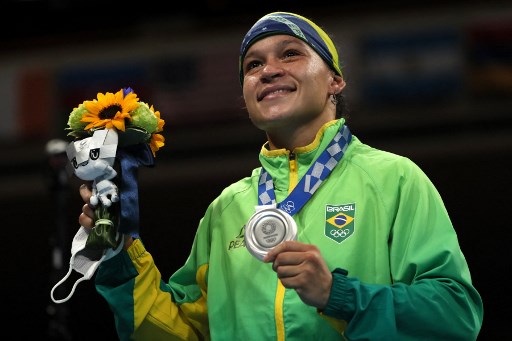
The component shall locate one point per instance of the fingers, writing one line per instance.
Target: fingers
(86, 192)
(287, 246)
(289, 258)
(86, 218)
(301, 267)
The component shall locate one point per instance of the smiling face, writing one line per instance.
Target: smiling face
(287, 88)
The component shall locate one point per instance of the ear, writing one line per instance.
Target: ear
(337, 84)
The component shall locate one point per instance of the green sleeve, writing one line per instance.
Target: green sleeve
(144, 306)
(431, 296)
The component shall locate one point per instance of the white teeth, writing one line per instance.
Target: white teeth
(275, 92)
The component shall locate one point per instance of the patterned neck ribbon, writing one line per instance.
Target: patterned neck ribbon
(311, 181)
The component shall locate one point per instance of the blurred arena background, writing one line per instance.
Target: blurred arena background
(431, 80)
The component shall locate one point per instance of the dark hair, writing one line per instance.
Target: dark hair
(341, 106)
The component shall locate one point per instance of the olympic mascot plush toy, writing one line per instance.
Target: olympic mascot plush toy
(93, 159)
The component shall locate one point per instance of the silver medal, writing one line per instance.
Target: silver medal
(268, 227)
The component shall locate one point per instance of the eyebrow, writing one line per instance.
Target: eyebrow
(280, 44)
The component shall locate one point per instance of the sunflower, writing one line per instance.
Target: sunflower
(110, 110)
(160, 125)
(138, 121)
(157, 142)
(138, 124)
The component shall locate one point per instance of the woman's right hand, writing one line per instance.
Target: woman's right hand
(86, 218)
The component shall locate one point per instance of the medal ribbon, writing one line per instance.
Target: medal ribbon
(311, 181)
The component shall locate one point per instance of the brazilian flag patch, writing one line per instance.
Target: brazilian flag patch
(339, 221)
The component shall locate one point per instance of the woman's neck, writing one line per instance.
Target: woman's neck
(295, 137)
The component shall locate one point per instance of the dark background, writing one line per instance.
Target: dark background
(462, 141)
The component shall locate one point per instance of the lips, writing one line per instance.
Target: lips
(274, 90)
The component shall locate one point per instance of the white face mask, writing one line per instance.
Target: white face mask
(84, 261)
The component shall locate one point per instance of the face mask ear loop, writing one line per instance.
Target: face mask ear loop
(72, 290)
(87, 275)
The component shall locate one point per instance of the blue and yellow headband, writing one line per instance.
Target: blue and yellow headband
(293, 25)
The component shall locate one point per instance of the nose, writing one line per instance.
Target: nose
(271, 70)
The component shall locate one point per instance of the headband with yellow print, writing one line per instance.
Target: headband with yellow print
(294, 25)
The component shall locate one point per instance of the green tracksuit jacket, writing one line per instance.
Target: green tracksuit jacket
(398, 271)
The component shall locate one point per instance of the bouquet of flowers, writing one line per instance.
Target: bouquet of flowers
(113, 135)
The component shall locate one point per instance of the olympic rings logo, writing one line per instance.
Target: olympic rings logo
(288, 207)
(340, 233)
